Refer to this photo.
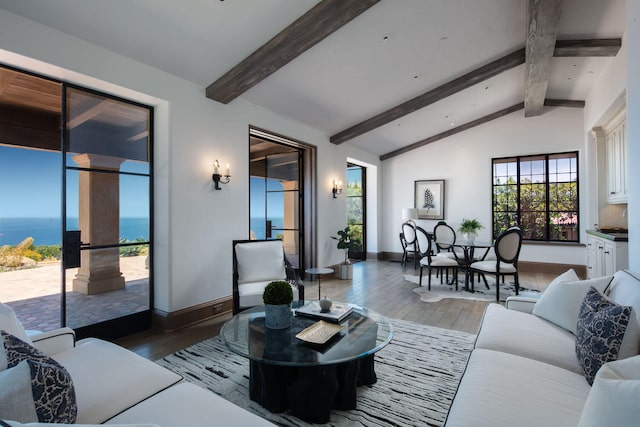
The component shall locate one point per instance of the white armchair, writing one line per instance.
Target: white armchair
(255, 264)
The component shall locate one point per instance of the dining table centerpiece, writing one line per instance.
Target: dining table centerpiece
(470, 228)
(277, 297)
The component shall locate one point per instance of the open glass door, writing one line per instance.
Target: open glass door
(106, 215)
(275, 209)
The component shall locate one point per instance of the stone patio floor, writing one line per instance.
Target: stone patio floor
(34, 294)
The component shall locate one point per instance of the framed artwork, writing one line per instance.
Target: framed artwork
(428, 197)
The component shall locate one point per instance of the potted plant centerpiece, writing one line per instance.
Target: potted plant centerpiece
(469, 228)
(277, 299)
(346, 241)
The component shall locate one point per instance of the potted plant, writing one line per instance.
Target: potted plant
(469, 228)
(346, 241)
(277, 297)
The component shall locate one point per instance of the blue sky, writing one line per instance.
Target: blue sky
(31, 183)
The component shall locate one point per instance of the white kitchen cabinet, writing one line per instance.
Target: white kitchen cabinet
(605, 256)
(616, 149)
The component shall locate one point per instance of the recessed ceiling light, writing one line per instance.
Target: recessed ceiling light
(568, 78)
(443, 38)
(446, 117)
(589, 72)
(386, 37)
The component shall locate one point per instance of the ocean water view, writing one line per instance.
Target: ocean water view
(48, 231)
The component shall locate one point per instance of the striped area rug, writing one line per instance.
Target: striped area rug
(418, 373)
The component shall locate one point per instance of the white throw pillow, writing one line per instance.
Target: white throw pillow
(560, 302)
(10, 323)
(613, 399)
(260, 261)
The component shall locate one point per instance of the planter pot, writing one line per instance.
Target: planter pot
(277, 316)
(470, 237)
(346, 271)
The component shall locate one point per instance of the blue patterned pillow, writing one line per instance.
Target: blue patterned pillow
(601, 327)
(51, 385)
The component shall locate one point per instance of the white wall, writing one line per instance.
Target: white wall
(464, 162)
(194, 225)
(633, 132)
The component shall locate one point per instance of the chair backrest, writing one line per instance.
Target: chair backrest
(424, 242)
(445, 236)
(259, 260)
(508, 245)
(409, 232)
(403, 241)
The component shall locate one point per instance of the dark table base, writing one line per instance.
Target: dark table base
(310, 392)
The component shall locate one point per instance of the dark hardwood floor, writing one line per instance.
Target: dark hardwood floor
(378, 285)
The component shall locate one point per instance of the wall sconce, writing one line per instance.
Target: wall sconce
(337, 188)
(217, 178)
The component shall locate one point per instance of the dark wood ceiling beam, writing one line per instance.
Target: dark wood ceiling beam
(454, 86)
(478, 122)
(312, 27)
(454, 131)
(587, 48)
(564, 48)
(542, 17)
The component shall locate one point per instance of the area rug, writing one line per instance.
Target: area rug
(439, 292)
(418, 373)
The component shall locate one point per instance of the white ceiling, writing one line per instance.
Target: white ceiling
(396, 50)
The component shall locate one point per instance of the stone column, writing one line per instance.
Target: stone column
(291, 213)
(99, 222)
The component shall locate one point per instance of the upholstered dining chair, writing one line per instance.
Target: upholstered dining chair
(410, 245)
(255, 264)
(445, 238)
(507, 250)
(431, 262)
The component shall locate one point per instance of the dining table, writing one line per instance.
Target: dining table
(468, 249)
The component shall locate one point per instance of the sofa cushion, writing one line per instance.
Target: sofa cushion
(601, 328)
(10, 323)
(260, 261)
(500, 389)
(529, 336)
(625, 290)
(197, 407)
(52, 389)
(613, 400)
(560, 302)
(110, 379)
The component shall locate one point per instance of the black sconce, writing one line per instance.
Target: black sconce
(220, 179)
(337, 188)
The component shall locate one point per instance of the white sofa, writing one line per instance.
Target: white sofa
(116, 386)
(524, 370)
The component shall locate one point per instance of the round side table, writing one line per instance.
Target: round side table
(319, 272)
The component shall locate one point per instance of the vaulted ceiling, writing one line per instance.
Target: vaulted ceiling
(384, 75)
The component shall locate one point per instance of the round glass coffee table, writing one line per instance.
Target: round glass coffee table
(310, 380)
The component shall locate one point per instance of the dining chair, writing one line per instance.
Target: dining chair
(410, 245)
(430, 262)
(445, 238)
(507, 250)
(255, 264)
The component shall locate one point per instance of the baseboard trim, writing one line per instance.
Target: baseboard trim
(168, 322)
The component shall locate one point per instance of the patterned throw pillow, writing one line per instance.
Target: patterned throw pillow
(601, 327)
(51, 385)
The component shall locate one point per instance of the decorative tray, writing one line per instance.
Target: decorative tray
(319, 333)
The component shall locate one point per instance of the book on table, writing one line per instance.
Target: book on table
(337, 313)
